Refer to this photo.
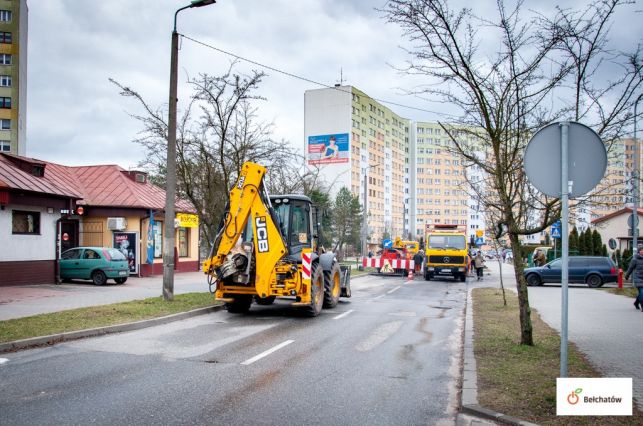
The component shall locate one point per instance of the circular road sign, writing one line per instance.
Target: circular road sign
(631, 219)
(586, 158)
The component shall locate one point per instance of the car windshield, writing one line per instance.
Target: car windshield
(116, 254)
(447, 242)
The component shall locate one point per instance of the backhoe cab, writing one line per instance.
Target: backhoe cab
(267, 247)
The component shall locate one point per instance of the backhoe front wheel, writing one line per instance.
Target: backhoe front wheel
(316, 291)
(332, 286)
(240, 304)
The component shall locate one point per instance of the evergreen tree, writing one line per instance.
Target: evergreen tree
(346, 221)
(618, 259)
(582, 243)
(573, 239)
(627, 257)
(598, 243)
(589, 242)
(604, 251)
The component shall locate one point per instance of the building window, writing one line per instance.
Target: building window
(157, 239)
(184, 242)
(5, 16)
(5, 124)
(5, 80)
(5, 146)
(5, 37)
(5, 59)
(5, 102)
(24, 222)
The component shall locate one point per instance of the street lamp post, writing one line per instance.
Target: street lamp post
(170, 190)
(365, 213)
(635, 176)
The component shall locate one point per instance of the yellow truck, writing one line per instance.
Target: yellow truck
(446, 252)
(266, 247)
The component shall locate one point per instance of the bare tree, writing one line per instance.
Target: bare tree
(504, 94)
(212, 146)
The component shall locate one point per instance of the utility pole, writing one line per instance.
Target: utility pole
(635, 177)
(170, 190)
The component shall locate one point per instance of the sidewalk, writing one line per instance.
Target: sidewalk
(27, 300)
(604, 326)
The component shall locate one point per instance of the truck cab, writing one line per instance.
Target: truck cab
(446, 252)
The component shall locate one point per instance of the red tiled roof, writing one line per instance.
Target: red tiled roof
(625, 210)
(56, 179)
(110, 186)
(105, 186)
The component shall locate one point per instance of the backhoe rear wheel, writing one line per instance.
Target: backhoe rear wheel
(240, 305)
(332, 286)
(316, 291)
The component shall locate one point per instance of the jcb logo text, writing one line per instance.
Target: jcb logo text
(262, 234)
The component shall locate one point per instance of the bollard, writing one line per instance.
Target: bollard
(620, 278)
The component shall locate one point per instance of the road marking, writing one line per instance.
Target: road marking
(266, 353)
(379, 336)
(393, 289)
(3, 360)
(344, 314)
(379, 297)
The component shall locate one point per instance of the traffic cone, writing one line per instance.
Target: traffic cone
(410, 276)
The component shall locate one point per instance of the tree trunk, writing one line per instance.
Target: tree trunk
(526, 330)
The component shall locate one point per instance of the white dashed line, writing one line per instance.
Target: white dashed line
(344, 314)
(379, 297)
(266, 353)
(4, 360)
(393, 289)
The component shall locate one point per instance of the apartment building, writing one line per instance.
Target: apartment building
(13, 76)
(358, 143)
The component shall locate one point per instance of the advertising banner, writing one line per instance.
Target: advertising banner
(187, 220)
(127, 243)
(328, 149)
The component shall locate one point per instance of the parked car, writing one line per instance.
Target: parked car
(591, 270)
(94, 263)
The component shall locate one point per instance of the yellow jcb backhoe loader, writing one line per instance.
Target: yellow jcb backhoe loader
(267, 247)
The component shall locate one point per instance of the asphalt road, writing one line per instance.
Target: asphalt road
(390, 355)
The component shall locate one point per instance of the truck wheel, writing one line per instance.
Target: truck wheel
(240, 305)
(463, 277)
(332, 286)
(427, 276)
(316, 291)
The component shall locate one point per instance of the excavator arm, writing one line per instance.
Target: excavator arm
(248, 200)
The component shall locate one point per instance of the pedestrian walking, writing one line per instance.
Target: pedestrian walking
(539, 258)
(478, 263)
(636, 272)
(418, 258)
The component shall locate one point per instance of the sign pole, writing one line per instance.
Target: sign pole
(565, 184)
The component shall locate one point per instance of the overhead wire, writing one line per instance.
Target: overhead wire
(306, 79)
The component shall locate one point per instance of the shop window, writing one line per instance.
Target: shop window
(157, 232)
(184, 242)
(25, 222)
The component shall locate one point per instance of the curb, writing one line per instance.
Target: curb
(469, 399)
(53, 339)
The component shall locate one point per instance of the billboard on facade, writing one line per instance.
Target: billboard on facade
(328, 149)
(127, 243)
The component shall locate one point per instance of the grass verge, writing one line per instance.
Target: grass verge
(521, 380)
(625, 291)
(100, 316)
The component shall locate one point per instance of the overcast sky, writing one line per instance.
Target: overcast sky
(75, 116)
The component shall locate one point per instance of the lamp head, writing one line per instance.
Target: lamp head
(199, 3)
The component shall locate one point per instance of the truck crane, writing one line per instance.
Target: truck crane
(268, 247)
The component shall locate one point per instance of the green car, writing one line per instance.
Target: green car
(94, 263)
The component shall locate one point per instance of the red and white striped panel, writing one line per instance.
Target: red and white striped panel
(306, 262)
(395, 263)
